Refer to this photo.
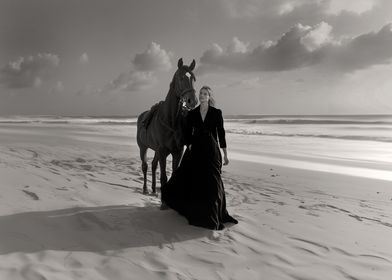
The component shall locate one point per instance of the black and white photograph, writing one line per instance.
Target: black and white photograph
(195, 140)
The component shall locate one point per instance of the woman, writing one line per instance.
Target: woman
(195, 189)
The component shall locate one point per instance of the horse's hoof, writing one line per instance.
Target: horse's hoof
(145, 191)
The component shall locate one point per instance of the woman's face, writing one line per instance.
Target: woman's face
(204, 96)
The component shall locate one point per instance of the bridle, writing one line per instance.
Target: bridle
(182, 104)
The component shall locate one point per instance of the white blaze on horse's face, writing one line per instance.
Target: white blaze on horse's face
(184, 81)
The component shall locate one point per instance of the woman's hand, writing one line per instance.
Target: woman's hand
(225, 160)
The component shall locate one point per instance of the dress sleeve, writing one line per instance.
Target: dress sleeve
(221, 130)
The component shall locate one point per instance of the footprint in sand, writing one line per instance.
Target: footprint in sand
(86, 167)
(311, 211)
(343, 252)
(33, 195)
(35, 154)
(136, 173)
(80, 160)
(54, 171)
(312, 247)
(272, 211)
(375, 258)
(280, 203)
(367, 256)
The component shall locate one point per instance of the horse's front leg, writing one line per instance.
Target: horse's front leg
(154, 166)
(162, 164)
(143, 157)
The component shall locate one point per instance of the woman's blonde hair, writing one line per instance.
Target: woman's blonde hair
(211, 101)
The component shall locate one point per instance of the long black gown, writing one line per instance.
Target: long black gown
(195, 189)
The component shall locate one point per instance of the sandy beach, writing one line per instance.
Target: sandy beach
(304, 88)
(71, 207)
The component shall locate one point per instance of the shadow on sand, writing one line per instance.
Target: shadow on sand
(94, 229)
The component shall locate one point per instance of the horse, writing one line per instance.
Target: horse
(161, 127)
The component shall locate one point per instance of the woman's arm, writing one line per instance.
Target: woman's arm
(225, 158)
(222, 137)
(221, 130)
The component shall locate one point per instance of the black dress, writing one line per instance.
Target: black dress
(195, 189)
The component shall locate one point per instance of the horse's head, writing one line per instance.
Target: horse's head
(183, 85)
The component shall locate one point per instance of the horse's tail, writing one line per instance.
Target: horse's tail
(140, 127)
(140, 118)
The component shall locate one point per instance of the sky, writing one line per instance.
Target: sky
(117, 57)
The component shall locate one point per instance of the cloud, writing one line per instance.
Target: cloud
(320, 35)
(58, 87)
(153, 59)
(304, 46)
(262, 8)
(250, 83)
(286, 53)
(243, 8)
(83, 59)
(286, 8)
(335, 7)
(329, 7)
(236, 46)
(131, 81)
(251, 9)
(28, 71)
(37, 82)
(374, 48)
(88, 90)
(142, 76)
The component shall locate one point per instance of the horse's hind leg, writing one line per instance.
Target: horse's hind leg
(143, 157)
(154, 166)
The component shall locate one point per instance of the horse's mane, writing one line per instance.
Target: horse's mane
(171, 86)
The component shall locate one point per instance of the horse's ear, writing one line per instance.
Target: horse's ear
(180, 63)
(192, 66)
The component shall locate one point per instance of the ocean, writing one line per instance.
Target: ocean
(358, 145)
(355, 127)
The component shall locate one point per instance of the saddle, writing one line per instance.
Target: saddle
(148, 117)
